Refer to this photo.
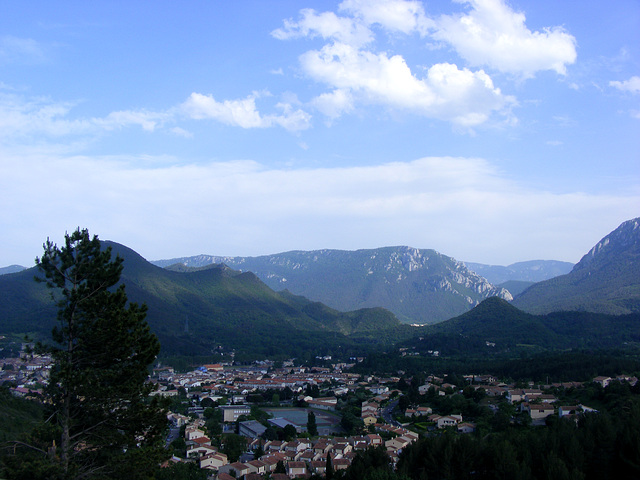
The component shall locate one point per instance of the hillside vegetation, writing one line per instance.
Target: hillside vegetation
(199, 311)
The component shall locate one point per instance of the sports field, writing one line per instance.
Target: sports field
(327, 422)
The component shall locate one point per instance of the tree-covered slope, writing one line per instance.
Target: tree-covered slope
(606, 280)
(495, 326)
(196, 311)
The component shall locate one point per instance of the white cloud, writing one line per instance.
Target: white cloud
(21, 50)
(20, 117)
(632, 85)
(335, 103)
(181, 132)
(243, 113)
(326, 25)
(358, 75)
(244, 208)
(494, 35)
(466, 98)
(41, 119)
(147, 120)
(393, 15)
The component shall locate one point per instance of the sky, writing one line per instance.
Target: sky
(492, 131)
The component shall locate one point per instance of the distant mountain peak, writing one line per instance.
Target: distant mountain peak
(626, 236)
(606, 280)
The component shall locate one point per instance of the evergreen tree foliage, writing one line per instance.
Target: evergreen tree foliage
(329, 468)
(101, 423)
(312, 426)
(280, 468)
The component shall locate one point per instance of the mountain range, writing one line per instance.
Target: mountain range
(218, 309)
(418, 286)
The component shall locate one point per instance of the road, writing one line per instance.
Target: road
(387, 414)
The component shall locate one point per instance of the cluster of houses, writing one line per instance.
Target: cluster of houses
(29, 372)
(299, 457)
(216, 380)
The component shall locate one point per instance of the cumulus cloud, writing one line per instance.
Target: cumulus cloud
(466, 98)
(245, 208)
(334, 104)
(393, 15)
(326, 25)
(358, 74)
(632, 85)
(492, 34)
(243, 113)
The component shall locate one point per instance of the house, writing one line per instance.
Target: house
(224, 476)
(319, 467)
(424, 389)
(236, 469)
(213, 461)
(195, 451)
(369, 420)
(538, 411)
(296, 468)
(443, 421)
(192, 432)
(494, 391)
(514, 396)
(340, 463)
(466, 427)
(279, 476)
(397, 444)
(270, 462)
(342, 448)
(257, 466)
(603, 381)
(567, 410)
(274, 446)
(177, 419)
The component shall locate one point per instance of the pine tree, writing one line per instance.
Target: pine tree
(312, 426)
(103, 347)
(329, 468)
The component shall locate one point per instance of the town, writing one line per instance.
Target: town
(283, 420)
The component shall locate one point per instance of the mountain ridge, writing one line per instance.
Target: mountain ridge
(195, 311)
(605, 280)
(417, 285)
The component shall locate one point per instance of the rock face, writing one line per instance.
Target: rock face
(605, 280)
(418, 286)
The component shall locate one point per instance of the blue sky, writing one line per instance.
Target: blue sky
(491, 131)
